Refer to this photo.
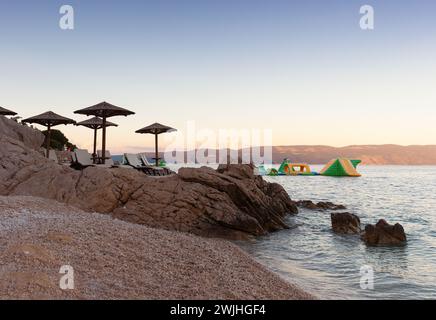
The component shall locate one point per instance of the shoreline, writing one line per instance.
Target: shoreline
(136, 262)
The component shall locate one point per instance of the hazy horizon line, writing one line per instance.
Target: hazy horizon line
(287, 146)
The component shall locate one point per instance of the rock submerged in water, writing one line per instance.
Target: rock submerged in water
(381, 234)
(384, 234)
(345, 223)
(230, 202)
(308, 204)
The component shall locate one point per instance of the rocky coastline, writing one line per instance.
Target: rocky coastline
(380, 234)
(230, 202)
(117, 212)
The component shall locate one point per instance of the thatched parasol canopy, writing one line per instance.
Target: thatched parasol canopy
(156, 129)
(49, 119)
(104, 110)
(95, 124)
(6, 112)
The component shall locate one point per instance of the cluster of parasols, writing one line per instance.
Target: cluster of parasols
(101, 112)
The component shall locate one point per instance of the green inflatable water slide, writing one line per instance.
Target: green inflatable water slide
(341, 167)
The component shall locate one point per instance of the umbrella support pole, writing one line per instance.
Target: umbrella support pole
(48, 141)
(94, 154)
(156, 143)
(103, 149)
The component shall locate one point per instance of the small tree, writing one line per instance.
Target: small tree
(58, 140)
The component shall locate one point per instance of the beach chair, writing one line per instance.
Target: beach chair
(109, 160)
(73, 158)
(135, 161)
(83, 158)
(143, 158)
(52, 156)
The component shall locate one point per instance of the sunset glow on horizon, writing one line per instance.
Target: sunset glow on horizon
(305, 70)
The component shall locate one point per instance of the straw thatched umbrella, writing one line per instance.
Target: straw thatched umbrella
(95, 124)
(49, 119)
(6, 112)
(156, 129)
(104, 110)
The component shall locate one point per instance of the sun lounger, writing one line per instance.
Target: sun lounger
(83, 158)
(73, 158)
(158, 170)
(144, 160)
(43, 151)
(109, 161)
(135, 161)
(52, 156)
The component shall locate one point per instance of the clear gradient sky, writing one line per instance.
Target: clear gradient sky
(303, 68)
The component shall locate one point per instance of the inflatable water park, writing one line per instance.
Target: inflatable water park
(340, 167)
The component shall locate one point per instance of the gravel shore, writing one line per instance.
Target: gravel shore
(113, 259)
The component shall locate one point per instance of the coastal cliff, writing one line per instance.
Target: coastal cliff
(388, 154)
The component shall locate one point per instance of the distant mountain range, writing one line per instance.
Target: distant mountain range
(369, 154)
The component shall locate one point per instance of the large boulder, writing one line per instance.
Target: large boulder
(260, 206)
(230, 202)
(345, 222)
(30, 137)
(384, 234)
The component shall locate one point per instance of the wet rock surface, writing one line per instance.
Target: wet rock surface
(321, 206)
(384, 234)
(345, 222)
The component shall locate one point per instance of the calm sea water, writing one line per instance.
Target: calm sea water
(328, 265)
